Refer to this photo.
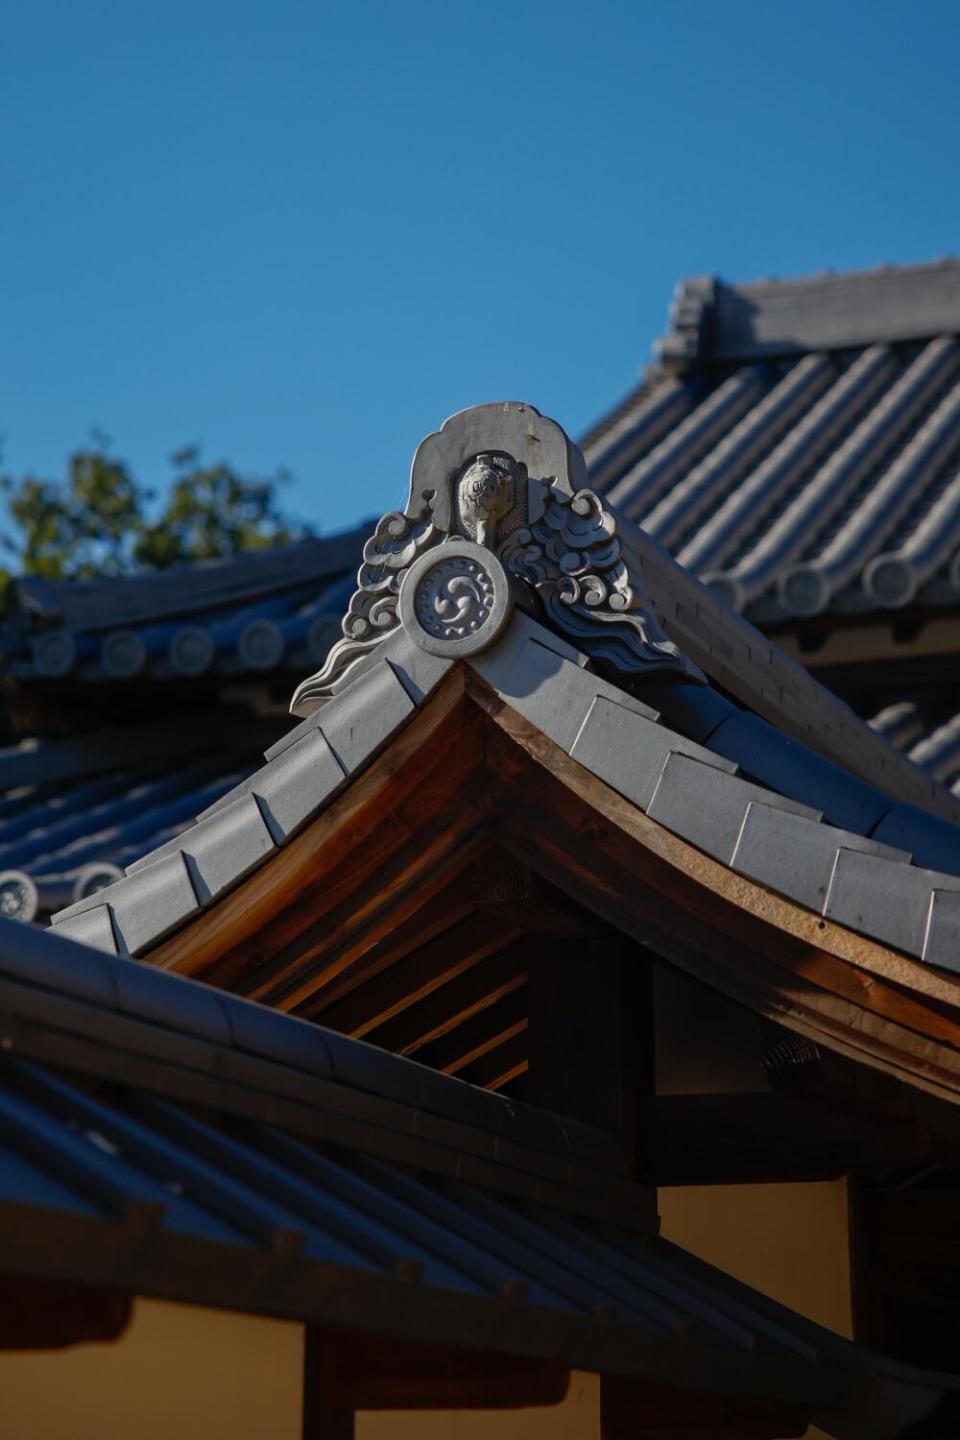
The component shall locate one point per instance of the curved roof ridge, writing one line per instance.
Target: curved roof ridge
(835, 805)
(714, 321)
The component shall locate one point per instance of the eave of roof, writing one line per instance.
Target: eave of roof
(733, 842)
(795, 822)
(74, 811)
(261, 1217)
(249, 614)
(799, 449)
(713, 321)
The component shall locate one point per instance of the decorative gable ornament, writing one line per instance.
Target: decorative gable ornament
(498, 510)
(455, 600)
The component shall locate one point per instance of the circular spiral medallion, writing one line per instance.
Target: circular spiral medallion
(18, 896)
(455, 599)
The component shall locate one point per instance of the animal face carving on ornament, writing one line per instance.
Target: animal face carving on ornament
(509, 485)
(493, 485)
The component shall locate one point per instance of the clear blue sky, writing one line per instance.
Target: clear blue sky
(304, 233)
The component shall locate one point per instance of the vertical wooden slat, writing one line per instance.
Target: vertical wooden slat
(321, 1420)
(590, 1035)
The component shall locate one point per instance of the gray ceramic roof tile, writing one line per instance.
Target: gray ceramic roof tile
(301, 773)
(197, 1011)
(496, 664)
(363, 1066)
(439, 1258)
(884, 899)
(819, 480)
(789, 768)
(707, 806)
(53, 961)
(270, 1035)
(92, 927)
(174, 846)
(629, 751)
(418, 672)
(942, 941)
(148, 904)
(796, 856)
(246, 613)
(292, 736)
(238, 831)
(933, 842)
(225, 846)
(357, 722)
(767, 681)
(547, 681)
(294, 786)
(694, 710)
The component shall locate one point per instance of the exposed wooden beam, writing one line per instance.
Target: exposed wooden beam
(759, 949)
(739, 1139)
(439, 749)
(477, 877)
(403, 924)
(388, 894)
(50, 1314)
(501, 884)
(498, 1067)
(447, 1008)
(365, 1372)
(473, 1037)
(631, 1411)
(430, 967)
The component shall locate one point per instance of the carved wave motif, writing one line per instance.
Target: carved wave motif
(372, 613)
(572, 558)
(387, 555)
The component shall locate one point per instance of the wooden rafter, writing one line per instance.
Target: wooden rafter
(423, 974)
(467, 999)
(497, 1067)
(467, 772)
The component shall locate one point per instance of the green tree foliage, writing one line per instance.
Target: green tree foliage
(99, 520)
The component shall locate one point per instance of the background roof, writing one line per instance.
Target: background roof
(798, 446)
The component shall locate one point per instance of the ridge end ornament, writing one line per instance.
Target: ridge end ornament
(455, 600)
(573, 560)
(503, 489)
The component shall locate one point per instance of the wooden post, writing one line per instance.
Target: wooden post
(321, 1419)
(591, 1033)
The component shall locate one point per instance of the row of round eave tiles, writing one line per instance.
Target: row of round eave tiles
(23, 898)
(191, 651)
(890, 578)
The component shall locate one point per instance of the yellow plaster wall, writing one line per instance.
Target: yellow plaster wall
(790, 1241)
(214, 1375)
(178, 1373)
(200, 1374)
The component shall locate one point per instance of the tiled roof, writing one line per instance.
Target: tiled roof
(267, 610)
(925, 725)
(720, 777)
(799, 445)
(757, 674)
(74, 812)
(159, 1136)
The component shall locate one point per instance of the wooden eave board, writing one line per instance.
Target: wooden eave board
(468, 771)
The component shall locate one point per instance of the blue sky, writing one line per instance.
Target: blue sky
(302, 234)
